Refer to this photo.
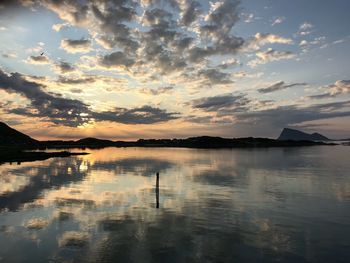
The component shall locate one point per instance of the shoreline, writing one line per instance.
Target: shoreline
(20, 155)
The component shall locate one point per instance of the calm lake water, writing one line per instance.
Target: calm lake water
(240, 205)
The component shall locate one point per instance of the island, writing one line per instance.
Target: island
(18, 147)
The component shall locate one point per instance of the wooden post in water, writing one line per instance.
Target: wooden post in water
(157, 190)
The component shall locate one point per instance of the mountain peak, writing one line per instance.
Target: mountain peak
(296, 135)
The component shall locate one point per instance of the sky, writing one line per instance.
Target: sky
(124, 69)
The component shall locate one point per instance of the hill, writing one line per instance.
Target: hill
(10, 136)
(296, 135)
(93, 141)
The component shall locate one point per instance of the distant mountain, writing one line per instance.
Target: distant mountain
(295, 135)
(10, 136)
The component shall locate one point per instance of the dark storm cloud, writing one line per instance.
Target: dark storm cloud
(217, 103)
(279, 86)
(70, 112)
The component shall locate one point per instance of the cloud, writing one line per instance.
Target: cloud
(74, 81)
(105, 83)
(115, 60)
(76, 46)
(339, 87)
(190, 10)
(260, 122)
(339, 41)
(305, 29)
(74, 239)
(228, 63)
(261, 39)
(242, 113)
(158, 91)
(43, 104)
(214, 76)
(279, 86)
(166, 39)
(58, 27)
(63, 67)
(36, 223)
(37, 49)
(139, 115)
(320, 96)
(271, 120)
(75, 90)
(270, 55)
(220, 19)
(306, 26)
(9, 54)
(248, 17)
(111, 20)
(303, 43)
(38, 60)
(71, 112)
(278, 20)
(216, 103)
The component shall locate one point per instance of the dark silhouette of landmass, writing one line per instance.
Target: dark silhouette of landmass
(9, 136)
(14, 145)
(93, 141)
(15, 154)
(295, 135)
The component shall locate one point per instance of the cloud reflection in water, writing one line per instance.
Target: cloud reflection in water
(242, 205)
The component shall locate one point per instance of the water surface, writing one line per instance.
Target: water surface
(240, 205)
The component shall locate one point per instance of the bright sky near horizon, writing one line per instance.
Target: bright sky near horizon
(129, 69)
